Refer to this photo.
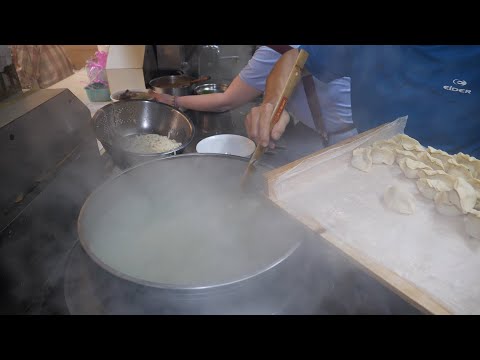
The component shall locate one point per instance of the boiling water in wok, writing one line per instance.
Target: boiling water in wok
(184, 222)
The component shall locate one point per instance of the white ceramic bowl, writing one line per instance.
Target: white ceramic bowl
(227, 144)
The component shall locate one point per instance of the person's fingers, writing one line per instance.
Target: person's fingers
(257, 123)
(264, 124)
(153, 94)
(248, 122)
(163, 98)
(280, 126)
(252, 126)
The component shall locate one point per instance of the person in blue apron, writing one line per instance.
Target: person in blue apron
(437, 87)
(324, 107)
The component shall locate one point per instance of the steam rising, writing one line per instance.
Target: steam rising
(308, 281)
(34, 248)
(187, 233)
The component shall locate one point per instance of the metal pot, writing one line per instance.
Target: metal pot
(178, 85)
(114, 122)
(210, 88)
(168, 72)
(211, 123)
(237, 252)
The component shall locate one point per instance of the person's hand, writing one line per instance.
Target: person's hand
(163, 98)
(257, 124)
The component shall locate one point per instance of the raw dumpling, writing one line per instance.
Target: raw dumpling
(362, 158)
(427, 173)
(399, 200)
(416, 148)
(472, 224)
(408, 143)
(444, 206)
(429, 188)
(476, 185)
(458, 170)
(389, 144)
(439, 154)
(410, 167)
(463, 195)
(476, 165)
(470, 162)
(400, 154)
(463, 158)
(429, 160)
(382, 155)
(436, 175)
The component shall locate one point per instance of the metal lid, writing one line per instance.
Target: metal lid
(184, 223)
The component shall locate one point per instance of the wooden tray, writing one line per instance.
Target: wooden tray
(406, 289)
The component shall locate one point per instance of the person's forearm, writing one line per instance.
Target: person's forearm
(206, 102)
(237, 94)
(278, 77)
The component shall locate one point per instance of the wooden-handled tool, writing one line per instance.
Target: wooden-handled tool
(292, 81)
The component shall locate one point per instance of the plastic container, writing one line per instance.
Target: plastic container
(98, 92)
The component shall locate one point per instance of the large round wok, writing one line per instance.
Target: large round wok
(184, 225)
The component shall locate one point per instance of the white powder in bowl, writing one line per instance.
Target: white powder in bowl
(150, 143)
